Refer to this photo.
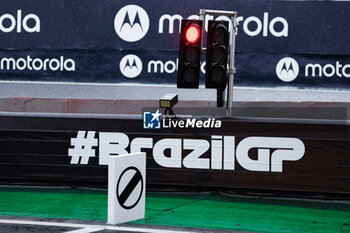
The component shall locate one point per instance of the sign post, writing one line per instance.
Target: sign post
(126, 187)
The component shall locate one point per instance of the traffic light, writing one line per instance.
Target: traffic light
(189, 54)
(217, 54)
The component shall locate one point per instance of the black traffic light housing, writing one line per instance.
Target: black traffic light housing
(189, 54)
(217, 54)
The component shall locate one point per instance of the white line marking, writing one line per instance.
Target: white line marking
(86, 230)
(88, 226)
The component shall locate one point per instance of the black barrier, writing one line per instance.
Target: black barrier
(289, 155)
(279, 43)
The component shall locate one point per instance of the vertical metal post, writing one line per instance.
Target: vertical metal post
(232, 69)
(202, 17)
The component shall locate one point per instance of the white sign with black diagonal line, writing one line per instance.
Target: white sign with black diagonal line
(126, 187)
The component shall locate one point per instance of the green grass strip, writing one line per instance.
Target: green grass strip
(211, 211)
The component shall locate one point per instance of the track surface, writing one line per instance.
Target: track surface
(61, 90)
(24, 225)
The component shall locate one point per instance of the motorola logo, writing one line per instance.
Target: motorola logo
(131, 23)
(130, 66)
(287, 69)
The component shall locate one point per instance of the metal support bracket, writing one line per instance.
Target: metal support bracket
(232, 70)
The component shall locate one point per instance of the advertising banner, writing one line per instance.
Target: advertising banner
(279, 43)
(302, 156)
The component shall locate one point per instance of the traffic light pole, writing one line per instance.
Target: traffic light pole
(232, 69)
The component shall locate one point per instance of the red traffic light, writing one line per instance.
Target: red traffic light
(189, 53)
(193, 33)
